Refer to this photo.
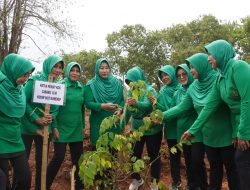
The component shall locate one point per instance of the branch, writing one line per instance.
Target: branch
(35, 44)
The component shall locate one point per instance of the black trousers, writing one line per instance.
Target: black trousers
(153, 144)
(38, 141)
(198, 167)
(243, 166)
(219, 157)
(174, 161)
(76, 150)
(187, 157)
(21, 171)
(3, 180)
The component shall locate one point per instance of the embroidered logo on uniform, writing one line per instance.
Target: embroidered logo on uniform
(235, 95)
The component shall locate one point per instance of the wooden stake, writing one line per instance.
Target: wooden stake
(45, 146)
(72, 178)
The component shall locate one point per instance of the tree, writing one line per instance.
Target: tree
(243, 39)
(86, 59)
(22, 19)
(187, 39)
(135, 46)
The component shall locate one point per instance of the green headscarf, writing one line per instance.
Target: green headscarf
(183, 89)
(135, 74)
(201, 87)
(12, 97)
(68, 69)
(105, 90)
(167, 91)
(48, 65)
(222, 51)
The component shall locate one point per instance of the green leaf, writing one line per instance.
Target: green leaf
(173, 150)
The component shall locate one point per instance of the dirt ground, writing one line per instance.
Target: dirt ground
(62, 180)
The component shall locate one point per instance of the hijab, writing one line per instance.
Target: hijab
(48, 65)
(202, 86)
(12, 97)
(68, 69)
(183, 89)
(105, 89)
(167, 91)
(222, 51)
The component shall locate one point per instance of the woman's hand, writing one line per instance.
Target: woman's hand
(45, 120)
(243, 144)
(152, 100)
(118, 112)
(187, 136)
(109, 106)
(56, 133)
(131, 101)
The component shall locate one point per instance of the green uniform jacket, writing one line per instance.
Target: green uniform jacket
(71, 117)
(185, 121)
(97, 115)
(233, 89)
(165, 100)
(12, 104)
(11, 141)
(217, 130)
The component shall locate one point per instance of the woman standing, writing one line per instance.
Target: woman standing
(165, 101)
(14, 72)
(231, 88)
(34, 119)
(218, 124)
(185, 78)
(70, 124)
(103, 96)
(152, 137)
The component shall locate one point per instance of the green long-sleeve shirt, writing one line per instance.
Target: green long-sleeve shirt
(71, 117)
(98, 114)
(11, 141)
(29, 125)
(232, 87)
(215, 131)
(185, 120)
(170, 126)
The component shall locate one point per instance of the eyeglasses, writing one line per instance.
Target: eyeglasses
(182, 75)
(27, 74)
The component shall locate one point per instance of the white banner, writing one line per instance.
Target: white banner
(48, 93)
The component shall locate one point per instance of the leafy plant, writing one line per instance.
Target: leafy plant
(113, 160)
(179, 146)
(138, 89)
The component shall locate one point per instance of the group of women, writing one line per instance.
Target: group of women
(205, 100)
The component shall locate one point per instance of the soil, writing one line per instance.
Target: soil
(62, 180)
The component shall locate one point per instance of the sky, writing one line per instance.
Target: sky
(94, 19)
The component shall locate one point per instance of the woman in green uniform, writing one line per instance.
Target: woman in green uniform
(15, 70)
(34, 118)
(103, 96)
(185, 78)
(69, 125)
(152, 137)
(218, 124)
(233, 88)
(165, 101)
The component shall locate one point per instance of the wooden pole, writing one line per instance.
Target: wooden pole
(72, 178)
(45, 146)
